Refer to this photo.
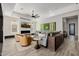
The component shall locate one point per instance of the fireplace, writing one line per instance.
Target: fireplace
(23, 32)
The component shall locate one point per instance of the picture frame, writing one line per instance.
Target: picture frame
(14, 27)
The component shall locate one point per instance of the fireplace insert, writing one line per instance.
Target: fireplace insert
(23, 32)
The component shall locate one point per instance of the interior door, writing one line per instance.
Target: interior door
(72, 29)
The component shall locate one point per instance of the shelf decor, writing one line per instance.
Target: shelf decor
(24, 25)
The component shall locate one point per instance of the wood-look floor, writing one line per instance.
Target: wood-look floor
(70, 47)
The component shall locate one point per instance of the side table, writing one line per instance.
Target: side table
(37, 46)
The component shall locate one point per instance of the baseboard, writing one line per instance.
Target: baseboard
(9, 36)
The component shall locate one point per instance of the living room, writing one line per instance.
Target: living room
(37, 29)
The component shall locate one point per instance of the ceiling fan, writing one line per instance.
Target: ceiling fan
(34, 15)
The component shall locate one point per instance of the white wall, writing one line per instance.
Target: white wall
(57, 19)
(7, 25)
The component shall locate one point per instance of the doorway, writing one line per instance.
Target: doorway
(70, 25)
(72, 29)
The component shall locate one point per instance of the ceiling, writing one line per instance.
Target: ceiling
(43, 9)
(8, 7)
